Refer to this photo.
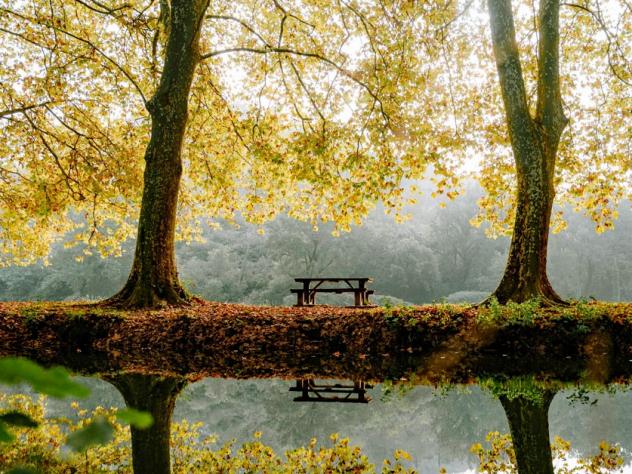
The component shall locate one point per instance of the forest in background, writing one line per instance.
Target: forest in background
(435, 256)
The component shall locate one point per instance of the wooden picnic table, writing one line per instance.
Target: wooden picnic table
(337, 392)
(306, 296)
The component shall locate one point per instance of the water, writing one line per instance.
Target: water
(437, 426)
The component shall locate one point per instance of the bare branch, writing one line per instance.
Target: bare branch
(291, 15)
(307, 91)
(5, 113)
(102, 8)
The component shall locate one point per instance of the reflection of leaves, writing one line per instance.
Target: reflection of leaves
(500, 456)
(55, 381)
(100, 431)
(16, 418)
(138, 419)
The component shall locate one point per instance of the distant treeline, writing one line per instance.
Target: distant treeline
(436, 256)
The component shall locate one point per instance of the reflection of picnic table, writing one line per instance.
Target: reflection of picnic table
(306, 296)
(314, 392)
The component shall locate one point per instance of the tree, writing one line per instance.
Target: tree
(529, 426)
(535, 140)
(154, 276)
(336, 141)
(560, 89)
(156, 395)
(314, 109)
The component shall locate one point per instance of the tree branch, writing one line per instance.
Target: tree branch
(509, 67)
(612, 42)
(243, 24)
(549, 110)
(127, 75)
(319, 57)
(102, 8)
(56, 28)
(5, 113)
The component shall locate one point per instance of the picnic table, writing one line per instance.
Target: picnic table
(306, 296)
(311, 391)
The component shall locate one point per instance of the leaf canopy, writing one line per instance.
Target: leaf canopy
(318, 109)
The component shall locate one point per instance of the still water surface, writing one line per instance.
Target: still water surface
(436, 426)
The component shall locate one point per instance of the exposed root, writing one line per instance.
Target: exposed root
(135, 295)
(546, 298)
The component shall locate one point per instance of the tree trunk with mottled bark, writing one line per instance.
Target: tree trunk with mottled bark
(529, 426)
(155, 395)
(153, 280)
(534, 141)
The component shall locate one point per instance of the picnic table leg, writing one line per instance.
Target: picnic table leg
(359, 388)
(300, 299)
(306, 296)
(363, 296)
(358, 297)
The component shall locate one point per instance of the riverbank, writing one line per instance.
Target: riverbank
(429, 344)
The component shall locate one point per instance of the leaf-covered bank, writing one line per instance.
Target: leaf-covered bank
(426, 344)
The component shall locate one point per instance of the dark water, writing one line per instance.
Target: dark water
(437, 426)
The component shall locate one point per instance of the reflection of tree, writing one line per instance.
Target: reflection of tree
(529, 426)
(156, 395)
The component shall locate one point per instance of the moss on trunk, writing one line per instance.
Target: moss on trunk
(525, 275)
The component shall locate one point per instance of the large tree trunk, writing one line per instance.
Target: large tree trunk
(529, 426)
(156, 395)
(153, 280)
(534, 141)
(525, 274)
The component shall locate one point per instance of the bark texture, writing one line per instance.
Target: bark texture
(156, 395)
(529, 426)
(534, 141)
(153, 280)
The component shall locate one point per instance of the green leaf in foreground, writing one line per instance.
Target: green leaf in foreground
(16, 418)
(5, 436)
(22, 470)
(55, 381)
(98, 432)
(138, 419)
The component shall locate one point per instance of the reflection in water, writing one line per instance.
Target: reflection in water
(527, 415)
(528, 418)
(332, 392)
(442, 427)
(156, 395)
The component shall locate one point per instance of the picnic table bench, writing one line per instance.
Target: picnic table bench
(306, 296)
